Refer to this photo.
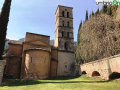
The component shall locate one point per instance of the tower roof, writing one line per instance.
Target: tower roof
(62, 6)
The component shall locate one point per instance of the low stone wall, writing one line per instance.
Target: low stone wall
(2, 65)
(105, 67)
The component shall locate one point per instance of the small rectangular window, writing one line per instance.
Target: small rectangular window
(67, 14)
(31, 59)
(62, 34)
(63, 13)
(68, 34)
(65, 66)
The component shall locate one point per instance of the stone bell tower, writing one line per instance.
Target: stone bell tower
(64, 39)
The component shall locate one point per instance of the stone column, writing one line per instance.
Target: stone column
(2, 65)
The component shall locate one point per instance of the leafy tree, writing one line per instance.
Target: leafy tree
(114, 8)
(86, 16)
(4, 18)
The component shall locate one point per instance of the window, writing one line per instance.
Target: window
(66, 46)
(67, 14)
(62, 34)
(63, 23)
(67, 34)
(65, 66)
(63, 13)
(31, 59)
(68, 23)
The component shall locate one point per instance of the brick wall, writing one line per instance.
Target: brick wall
(2, 64)
(65, 59)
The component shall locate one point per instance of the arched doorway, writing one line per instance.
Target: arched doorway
(84, 72)
(95, 74)
(114, 75)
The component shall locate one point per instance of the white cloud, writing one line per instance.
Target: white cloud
(11, 38)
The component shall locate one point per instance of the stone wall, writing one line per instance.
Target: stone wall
(33, 37)
(37, 64)
(65, 59)
(15, 49)
(13, 66)
(2, 64)
(53, 68)
(105, 67)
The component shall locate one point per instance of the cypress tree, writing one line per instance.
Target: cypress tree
(77, 55)
(104, 9)
(4, 18)
(92, 13)
(97, 12)
(109, 10)
(86, 17)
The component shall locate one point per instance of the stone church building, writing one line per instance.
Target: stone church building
(35, 58)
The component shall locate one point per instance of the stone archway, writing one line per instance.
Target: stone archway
(114, 75)
(95, 74)
(84, 72)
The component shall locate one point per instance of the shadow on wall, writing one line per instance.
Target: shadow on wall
(114, 75)
(95, 73)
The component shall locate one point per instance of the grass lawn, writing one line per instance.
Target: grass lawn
(63, 83)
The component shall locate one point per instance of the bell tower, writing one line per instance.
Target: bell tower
(64, 39)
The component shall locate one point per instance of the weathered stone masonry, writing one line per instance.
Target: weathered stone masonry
(2, 65)
(105, 67)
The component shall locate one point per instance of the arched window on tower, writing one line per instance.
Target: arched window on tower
(66, 46)
(67, 14)
(68, 34)
(63, 13)
(68, 23)
(62, 34)
(63, 23)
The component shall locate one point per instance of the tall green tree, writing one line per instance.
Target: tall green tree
(109, 10)
(104, 9)
(97, 12)
(77, 55)
(4, 18)
(86, 16)
(92, 13)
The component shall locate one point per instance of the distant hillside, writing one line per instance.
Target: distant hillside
(6, 43)
(22, 39)
(51, 41)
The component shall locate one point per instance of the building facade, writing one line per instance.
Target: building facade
(64, 39)
(35, 58)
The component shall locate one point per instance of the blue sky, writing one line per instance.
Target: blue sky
(38, 16)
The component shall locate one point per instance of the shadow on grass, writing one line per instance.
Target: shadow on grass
(63, 78)
(20, 82)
